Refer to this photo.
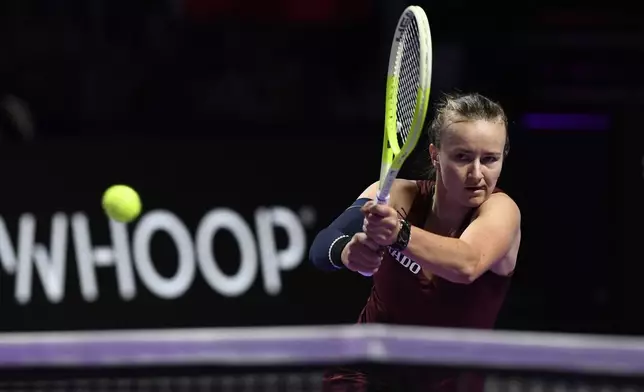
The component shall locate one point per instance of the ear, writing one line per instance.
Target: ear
(433, 154)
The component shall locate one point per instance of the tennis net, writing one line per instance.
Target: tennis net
(293, 359)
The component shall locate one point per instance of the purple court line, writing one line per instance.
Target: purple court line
(574, 353)
(577, 122)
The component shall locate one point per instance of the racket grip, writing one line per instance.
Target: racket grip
(380, 200)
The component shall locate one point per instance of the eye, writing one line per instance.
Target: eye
(461, 157)
(489, 160)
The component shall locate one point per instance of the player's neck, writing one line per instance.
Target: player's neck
(448, 213)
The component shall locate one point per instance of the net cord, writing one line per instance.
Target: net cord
(328, 345)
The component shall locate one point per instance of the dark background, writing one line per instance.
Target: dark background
(201, 104)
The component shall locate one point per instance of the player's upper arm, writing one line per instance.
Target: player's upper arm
(494, 232)
(370, 192)
(399, 185)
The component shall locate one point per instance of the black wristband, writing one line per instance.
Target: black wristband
(404, 235)
(335, 251)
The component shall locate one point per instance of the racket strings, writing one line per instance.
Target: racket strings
(409, 80)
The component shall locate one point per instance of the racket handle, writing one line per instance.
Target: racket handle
(380, 200)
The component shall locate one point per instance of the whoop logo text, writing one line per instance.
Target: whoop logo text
(129, 253)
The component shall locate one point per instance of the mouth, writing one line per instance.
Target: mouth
(475, 188)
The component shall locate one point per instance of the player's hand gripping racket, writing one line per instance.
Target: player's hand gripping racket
(407, 95)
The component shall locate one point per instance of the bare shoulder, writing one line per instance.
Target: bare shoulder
(504, 216)
(500, 204)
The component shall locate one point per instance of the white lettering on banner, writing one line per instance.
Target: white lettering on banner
(130, 256)
(405, 261)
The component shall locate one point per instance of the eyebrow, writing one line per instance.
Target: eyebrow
(462, 149)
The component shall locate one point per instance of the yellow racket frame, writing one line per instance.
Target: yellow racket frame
(394, 155)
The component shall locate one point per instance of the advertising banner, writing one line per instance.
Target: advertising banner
(223, 238)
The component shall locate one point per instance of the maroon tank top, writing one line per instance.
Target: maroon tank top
(401, 294)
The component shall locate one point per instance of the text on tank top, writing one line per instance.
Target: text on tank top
(401, 293)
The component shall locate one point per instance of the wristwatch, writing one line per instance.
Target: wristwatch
(404, 235)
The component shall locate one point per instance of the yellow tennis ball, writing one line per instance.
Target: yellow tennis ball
(121, 203)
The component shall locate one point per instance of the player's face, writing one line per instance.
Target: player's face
(470, 160)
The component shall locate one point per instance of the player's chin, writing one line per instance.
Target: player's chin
(475, 199)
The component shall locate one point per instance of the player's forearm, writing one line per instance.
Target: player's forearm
(326, 249)
(449, 258)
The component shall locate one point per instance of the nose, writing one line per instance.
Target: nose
(475, 172)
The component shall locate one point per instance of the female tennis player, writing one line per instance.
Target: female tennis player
(450, 242)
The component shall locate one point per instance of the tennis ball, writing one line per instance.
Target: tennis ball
(121, 203)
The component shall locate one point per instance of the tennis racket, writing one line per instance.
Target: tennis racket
(407, 95)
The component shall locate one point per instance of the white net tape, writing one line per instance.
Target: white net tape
(294, 359)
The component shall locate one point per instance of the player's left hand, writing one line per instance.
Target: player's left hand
(381, 223)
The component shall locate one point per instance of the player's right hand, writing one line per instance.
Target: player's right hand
(362, 254)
